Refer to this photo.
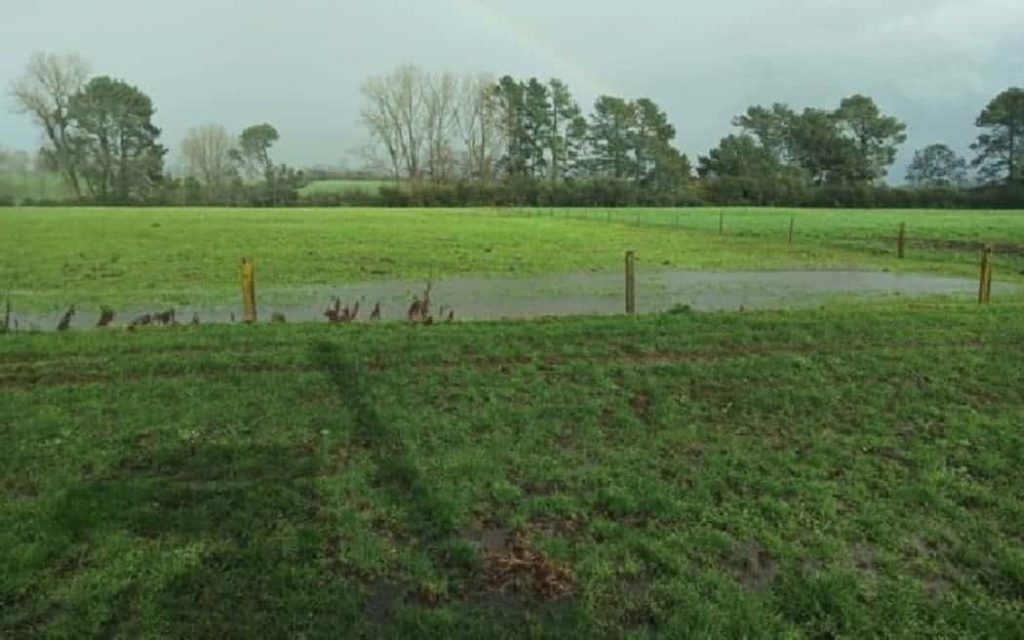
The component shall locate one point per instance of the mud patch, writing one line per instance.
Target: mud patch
(753, 566)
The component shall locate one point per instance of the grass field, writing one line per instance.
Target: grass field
(801, 474)
(50, 258)
(320, 187)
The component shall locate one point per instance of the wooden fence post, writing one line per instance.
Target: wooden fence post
(721, 222)
(248, 291)
(791, 222)
(630, 282)
(985, 283)
(901, 241)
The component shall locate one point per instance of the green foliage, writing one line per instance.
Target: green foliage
(876, 137)
(853, 145)
(852, 473)
(937, 166)
(254, 148)
(115, 142)
(1000, 149)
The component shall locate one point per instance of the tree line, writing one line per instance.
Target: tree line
(100, 138)
(448, 140)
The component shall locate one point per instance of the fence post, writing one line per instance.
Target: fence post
(791, 222)
(901, 241)
(630, 282)
(985, 284)
(248, 291)
(721, 222)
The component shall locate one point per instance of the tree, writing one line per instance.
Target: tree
(439, 118)
(658, 164)
(207, 152)
(44, 92)
(818, 147)
(394, 115)
(738, 156)
(253, 151)
(564, 134)
(538, 127)
(1000, 149)
(771, 127)
(510, 99)
(876, 137)
(937, 166)
(478, 123)
(612, 138)
(115, 140)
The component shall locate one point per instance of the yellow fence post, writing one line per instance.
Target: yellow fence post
(630, 282)
(248, 291)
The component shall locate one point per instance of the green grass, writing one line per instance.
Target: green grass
(50, 258)
(802, 474)
(36, 186)
(320, 187)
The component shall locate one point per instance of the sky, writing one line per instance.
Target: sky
(299, 63)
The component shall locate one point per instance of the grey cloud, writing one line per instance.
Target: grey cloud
(299, 64)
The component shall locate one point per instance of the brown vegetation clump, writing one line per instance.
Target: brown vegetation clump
(65, 320)
(106, 317)
(164, 318)
(520, 568)
(333, 313)
(140, 321)
(413, 314)
(375, 314)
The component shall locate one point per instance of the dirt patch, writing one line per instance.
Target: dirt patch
(641, 404)
(490, 538)
(520, 569)
(753, 566)
(383, 600)
(864, 558)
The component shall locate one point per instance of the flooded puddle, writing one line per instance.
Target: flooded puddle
(489, 298)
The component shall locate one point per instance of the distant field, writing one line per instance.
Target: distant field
(31, 185)
(805, 474)
(343, 186)
(50, 258)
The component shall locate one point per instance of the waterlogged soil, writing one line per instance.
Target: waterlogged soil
(491, 298)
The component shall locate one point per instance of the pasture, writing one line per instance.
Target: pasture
(849, 469)
(802, 474)
(53, 258)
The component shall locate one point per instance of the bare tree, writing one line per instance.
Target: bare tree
(207, 154)
(479, 124)
(394, 116)
(440, 119)
(44, 92)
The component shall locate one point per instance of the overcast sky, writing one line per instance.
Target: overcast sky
(299, 63)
